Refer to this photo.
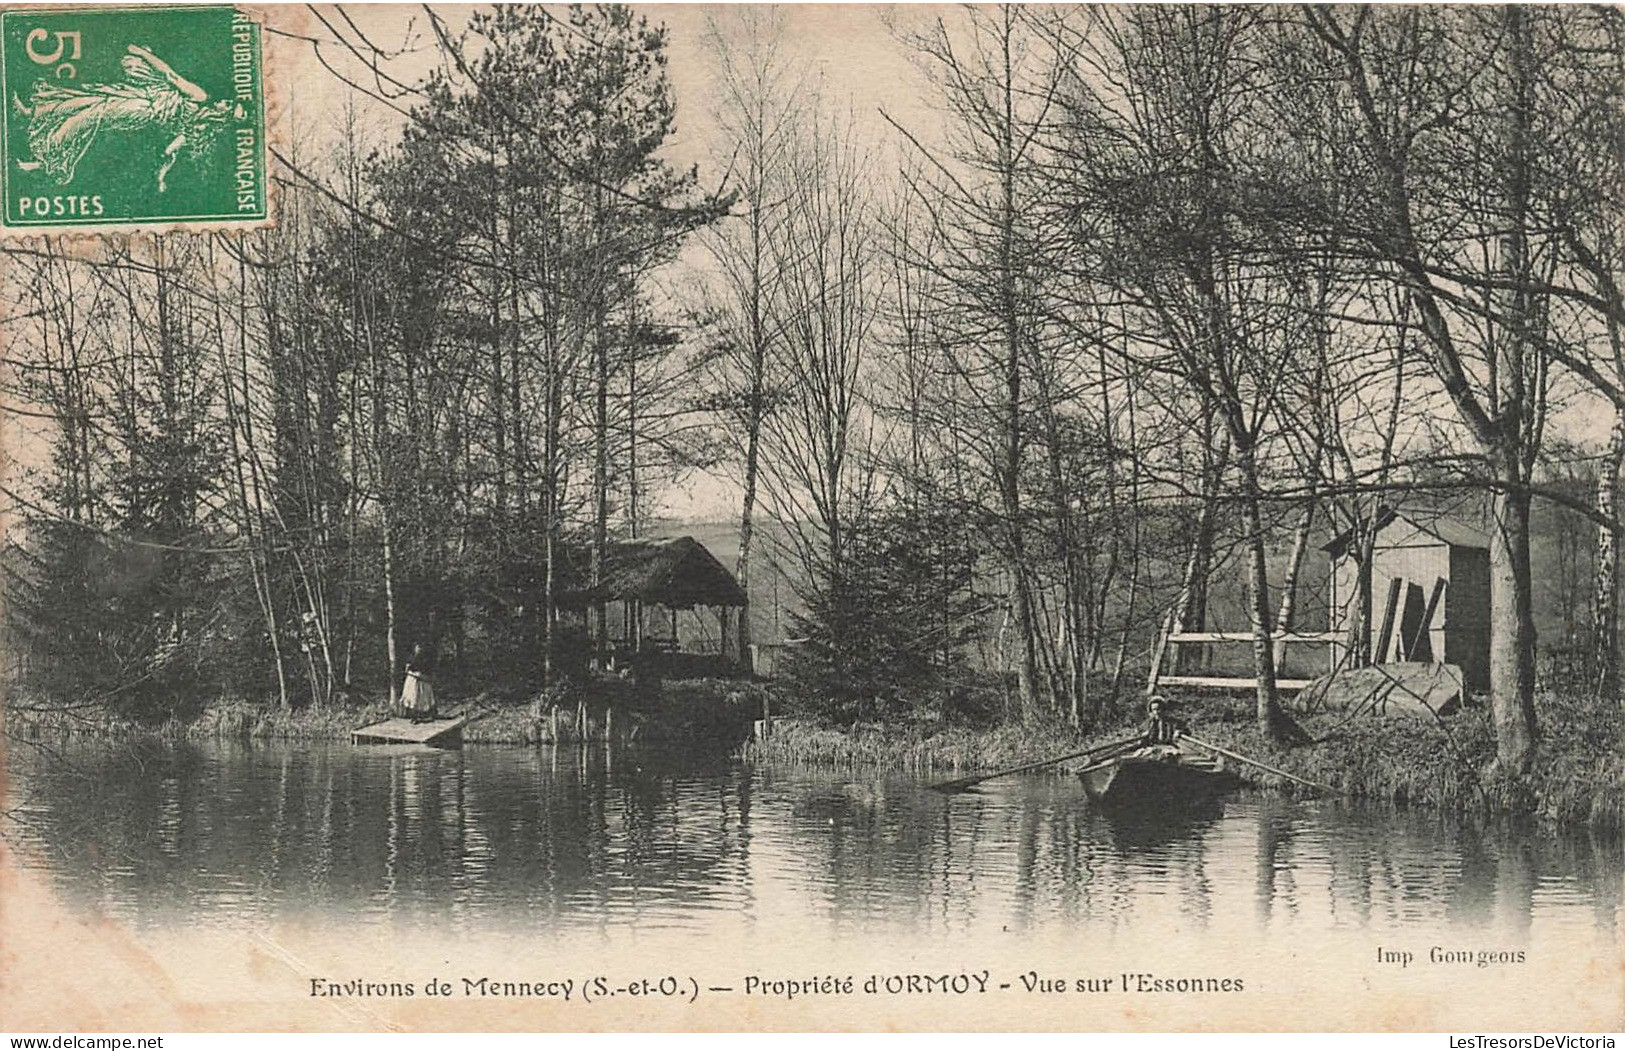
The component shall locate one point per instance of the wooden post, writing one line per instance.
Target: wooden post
(1336, 621)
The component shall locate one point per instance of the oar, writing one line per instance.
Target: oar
(1254, 762)
(960, 784)
(1100, 765)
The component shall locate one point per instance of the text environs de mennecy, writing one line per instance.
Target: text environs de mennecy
(560, 988)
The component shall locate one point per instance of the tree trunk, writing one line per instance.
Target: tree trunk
(390, 643)
(1190, 614)
(747, 664)
(552, 444)
(1010, 487)
(1503, 413)
(499, 388)
(1294, 566)
(754, 409)
(1605, 588)
(1517, 376)
(1130, 604)
(1268, 708)
(1512, 630)
(1364, 545)
(600, 482)
(253, 518)
(549, 593)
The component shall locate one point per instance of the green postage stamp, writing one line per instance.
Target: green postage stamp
(132, 116)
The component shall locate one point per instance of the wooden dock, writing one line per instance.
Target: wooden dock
(440, 733)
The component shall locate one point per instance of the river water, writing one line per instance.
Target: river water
(491, 855)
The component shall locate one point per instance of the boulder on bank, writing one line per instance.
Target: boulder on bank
(1422, 689)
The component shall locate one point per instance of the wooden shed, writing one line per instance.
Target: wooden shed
(1430, 591)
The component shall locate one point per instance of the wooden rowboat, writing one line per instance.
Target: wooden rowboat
(1155, 777)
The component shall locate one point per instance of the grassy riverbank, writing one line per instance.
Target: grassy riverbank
(1578, 778)
(717, 713)
(927, 751)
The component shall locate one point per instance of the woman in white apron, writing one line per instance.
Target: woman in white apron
(417, 696)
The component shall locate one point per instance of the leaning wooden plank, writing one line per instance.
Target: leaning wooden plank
(1439, 584)
(1390, 609)
(1157, 656)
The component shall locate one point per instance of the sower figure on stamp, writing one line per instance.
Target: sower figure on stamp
(417, 695)
(66, 119)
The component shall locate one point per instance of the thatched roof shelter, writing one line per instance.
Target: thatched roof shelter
(679, 573)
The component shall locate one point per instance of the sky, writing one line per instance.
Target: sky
(855, 46)
(856, 52)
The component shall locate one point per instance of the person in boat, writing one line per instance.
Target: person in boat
(1160, 725)
(417, 695)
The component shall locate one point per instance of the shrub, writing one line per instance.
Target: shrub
(886, 628)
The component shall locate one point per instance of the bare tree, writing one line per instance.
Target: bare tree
(758, 108)
(1453, 228)
(817, 470)
(978, 197)
(1214, 290)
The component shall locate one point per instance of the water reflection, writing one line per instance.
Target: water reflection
(565, 838)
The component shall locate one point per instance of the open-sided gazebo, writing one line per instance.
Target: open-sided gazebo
(669, 608)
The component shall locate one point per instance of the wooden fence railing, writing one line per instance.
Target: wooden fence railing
(1170, 639)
